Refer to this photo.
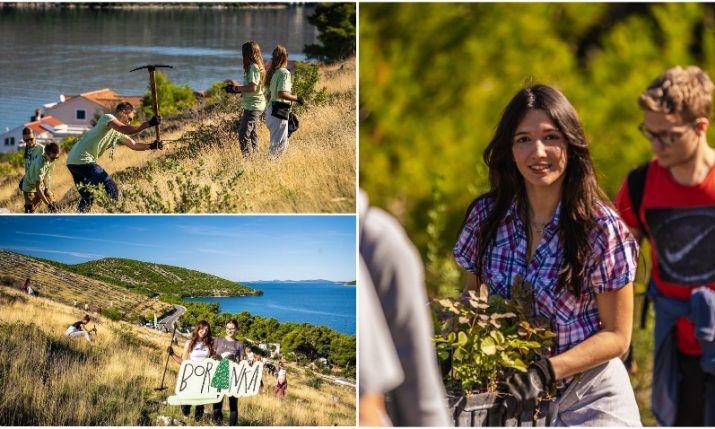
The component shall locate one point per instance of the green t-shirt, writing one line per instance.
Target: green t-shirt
(37, 171)
(94, 142)
(36, 152)
(280, 82)
(253, 100)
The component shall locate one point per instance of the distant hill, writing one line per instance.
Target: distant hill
(52, 280)
(151, 279)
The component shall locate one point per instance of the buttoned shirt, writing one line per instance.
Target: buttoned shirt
(611, 266)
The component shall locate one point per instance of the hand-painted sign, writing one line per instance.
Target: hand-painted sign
(208, 381)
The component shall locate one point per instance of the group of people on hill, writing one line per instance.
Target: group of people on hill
(546, 224)
(262, 90)
(202, 345)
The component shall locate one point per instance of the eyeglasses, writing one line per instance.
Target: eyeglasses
(28, 140)
(666, 138)
(52, 158)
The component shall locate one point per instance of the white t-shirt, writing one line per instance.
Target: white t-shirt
(200, 351)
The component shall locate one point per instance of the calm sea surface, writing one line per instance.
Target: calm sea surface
(45, 52)
(319, 303)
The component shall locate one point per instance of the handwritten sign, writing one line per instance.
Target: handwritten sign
(208, 381)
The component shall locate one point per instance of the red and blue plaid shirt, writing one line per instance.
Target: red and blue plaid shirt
(611, 266)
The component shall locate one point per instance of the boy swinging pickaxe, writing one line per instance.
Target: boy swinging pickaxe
(152, 83)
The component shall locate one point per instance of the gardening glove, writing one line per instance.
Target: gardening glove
(170, 351)
(154, 121)
(53, 207)
(231, 89)
(301, 100)
(526, 387)
(156, 145)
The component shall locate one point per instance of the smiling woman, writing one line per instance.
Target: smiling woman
(545, 227)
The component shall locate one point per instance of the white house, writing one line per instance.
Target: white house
(47, 129)
(80, 111)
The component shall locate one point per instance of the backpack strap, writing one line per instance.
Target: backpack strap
(636, 188)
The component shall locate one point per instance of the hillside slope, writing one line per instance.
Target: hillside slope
(203, 170)
(48, 379)
(149, 278)
(53, 281)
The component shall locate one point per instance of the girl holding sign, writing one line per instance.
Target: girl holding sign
(198, 348)
(229, 347)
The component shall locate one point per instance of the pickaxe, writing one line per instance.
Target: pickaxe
(166, 365)
(152, 83)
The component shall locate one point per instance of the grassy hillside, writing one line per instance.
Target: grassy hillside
(53, 281)
(205, 172)
(47, 379)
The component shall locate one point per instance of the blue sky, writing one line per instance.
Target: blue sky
(240, 248)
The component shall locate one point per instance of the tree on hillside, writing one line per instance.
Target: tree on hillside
(336, 23)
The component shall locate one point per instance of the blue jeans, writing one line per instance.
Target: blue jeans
(91, 174)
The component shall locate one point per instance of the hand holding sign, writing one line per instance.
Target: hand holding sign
(207, 381)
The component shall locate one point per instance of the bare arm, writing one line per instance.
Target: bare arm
(128, 129)
(471, 282)
(287, 96)
(251, 87)
(131, 144)
(41, 193)
(616, 312)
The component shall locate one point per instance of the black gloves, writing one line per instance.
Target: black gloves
(154, 121)
(526, 387)
(53, 207)
(156, 145)
(170, 351)
(301, 100)
(231, 89)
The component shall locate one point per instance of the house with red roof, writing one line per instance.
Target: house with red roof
(81, 111)
(47, 129)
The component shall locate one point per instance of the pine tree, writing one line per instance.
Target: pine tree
(220, 379)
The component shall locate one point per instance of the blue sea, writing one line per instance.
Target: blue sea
(317, 303)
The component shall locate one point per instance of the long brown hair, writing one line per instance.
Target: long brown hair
(279, 59)
(207, 340)
(580, 195)
(252, 55)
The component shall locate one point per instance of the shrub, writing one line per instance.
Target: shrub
(314, 382)
(67, 143)
(172, 98)
(336, 23)
(304, 82)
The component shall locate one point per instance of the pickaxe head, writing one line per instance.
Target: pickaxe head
(152, 67)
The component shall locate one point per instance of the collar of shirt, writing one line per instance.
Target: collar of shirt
(519, 229)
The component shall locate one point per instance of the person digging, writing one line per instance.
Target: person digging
(110, 130)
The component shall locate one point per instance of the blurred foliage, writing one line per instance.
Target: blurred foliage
(336, 23)
(172, 98)
(434, 81)
(304, 82)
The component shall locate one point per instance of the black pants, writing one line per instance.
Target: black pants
(233, 411)
(198, 411)
(91, 174)
(696, 395)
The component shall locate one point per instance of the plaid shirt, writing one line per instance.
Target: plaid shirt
(611, 266)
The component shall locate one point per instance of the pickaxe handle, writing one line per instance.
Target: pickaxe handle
(166, 365)
(154, 101)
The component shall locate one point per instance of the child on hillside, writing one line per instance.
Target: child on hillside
(252, 97)
(282, 381)
(35, 184)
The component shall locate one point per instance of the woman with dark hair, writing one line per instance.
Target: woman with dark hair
(198, 348)
(546, 227)
(228, 347)
(252, 98)
(280, 86)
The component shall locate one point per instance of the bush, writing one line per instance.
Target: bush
(314, 382)
(172, 98)
(67, 143)
(304, 82)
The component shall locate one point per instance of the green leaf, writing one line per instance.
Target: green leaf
(462, 339)
(488, 346)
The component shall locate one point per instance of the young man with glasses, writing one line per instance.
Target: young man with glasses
(35, 183)
(674, 207)
(110, 130)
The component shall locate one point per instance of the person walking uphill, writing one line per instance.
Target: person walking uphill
(253, 100)
(280, 101)
(546, 221)
(110, 130)
(671, 200)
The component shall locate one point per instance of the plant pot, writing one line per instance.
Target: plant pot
(489, 409)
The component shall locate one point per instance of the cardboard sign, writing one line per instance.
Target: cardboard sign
(209, 380)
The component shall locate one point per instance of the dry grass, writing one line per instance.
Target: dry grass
(317, 174)
(66, 287)
(47, 379)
